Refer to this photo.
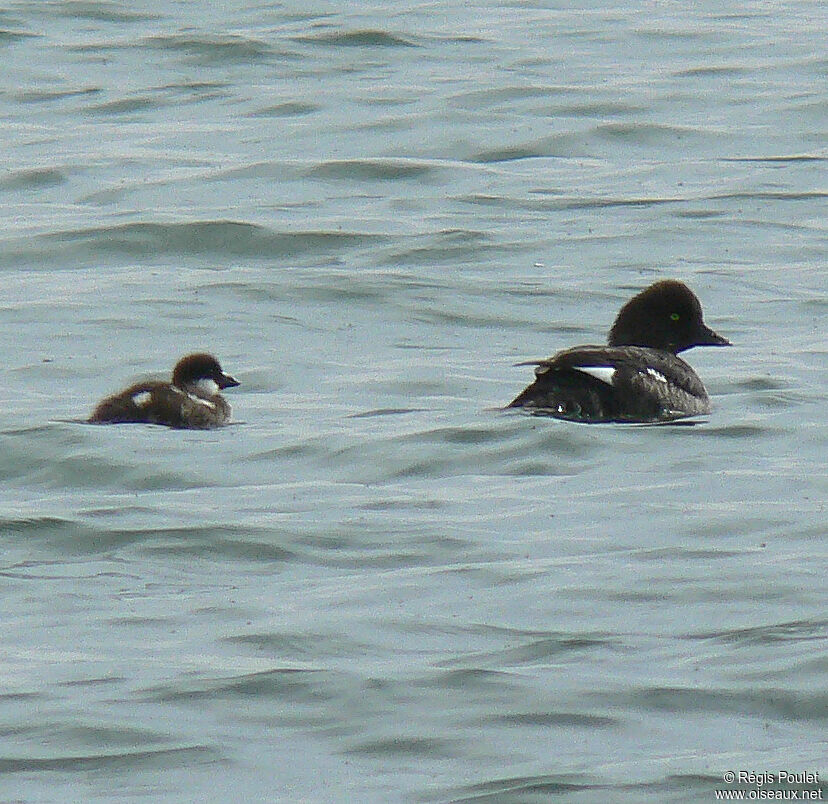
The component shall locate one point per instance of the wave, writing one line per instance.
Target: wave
(217, 239)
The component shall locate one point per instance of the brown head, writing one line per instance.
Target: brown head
(201, 366)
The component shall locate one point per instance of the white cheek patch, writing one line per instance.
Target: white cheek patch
(604, 373)
(142, 399)
(207, 387)
(656, 375)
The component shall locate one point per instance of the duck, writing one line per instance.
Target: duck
(190, 401)
(637, 377)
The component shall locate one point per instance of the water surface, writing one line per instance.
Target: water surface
(376, 585)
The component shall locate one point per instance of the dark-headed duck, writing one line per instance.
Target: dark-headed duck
(637, 377)
(191, 401)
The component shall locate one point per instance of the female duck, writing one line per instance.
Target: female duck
(191, 401)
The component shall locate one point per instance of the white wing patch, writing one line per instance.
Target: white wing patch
(142, 398)
(604, 373)
(657, 375)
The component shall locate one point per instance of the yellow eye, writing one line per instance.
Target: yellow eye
(674, 316)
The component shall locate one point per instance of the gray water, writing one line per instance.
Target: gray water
(376, 585)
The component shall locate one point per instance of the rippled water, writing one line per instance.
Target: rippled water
(377, 585)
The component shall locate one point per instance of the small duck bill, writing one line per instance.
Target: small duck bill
(226, 381)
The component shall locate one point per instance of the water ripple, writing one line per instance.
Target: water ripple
(211, 239)
(364, 38)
